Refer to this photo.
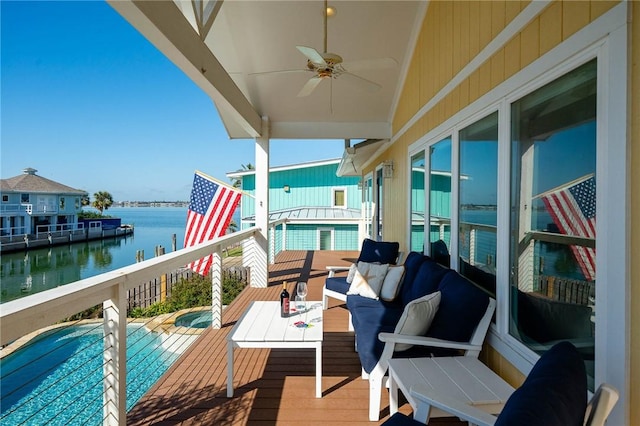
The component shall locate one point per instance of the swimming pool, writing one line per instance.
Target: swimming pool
(197, 319)
(57, 378)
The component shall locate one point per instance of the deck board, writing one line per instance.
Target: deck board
(272, 386)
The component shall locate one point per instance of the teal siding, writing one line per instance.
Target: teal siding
(310, 187)
(305, 237)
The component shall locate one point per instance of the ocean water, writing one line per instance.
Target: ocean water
(29, 272)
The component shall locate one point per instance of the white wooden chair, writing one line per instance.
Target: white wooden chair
(598, 409)
(378, 374)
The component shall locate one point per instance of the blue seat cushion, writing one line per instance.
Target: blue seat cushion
(399, 419)
(553, 394)
(425, 282)
(379, 252)
(462, 305)
(372, 312)
(338, 284)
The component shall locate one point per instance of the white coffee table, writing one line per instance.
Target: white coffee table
(446, 383)
(262, 327)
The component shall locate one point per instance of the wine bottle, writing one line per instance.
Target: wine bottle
(284, 301)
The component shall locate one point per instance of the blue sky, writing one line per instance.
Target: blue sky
(89, 103)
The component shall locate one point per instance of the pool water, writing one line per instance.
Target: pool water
(199, 319)
(57, 379)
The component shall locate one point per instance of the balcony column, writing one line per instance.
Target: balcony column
(259, 261)
(216, 289)
(115, 358)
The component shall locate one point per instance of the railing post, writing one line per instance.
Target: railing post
(115, 358)
(272, 244)
(216, 289)
(472, 245)
(284, 236)
(254, 256)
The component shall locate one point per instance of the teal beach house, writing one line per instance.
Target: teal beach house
(314, 208)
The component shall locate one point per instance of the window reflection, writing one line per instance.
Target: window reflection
(478, 182)
(440, 201)
(553, 214)
(417, 202)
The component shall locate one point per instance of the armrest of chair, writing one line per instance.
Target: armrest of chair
(333, 269)
(427, 341)
(474, 415)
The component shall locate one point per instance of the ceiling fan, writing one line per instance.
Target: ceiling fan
(329, 66)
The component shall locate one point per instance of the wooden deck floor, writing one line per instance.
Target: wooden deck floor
(272, 386)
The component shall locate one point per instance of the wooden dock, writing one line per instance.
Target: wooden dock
(272, 386)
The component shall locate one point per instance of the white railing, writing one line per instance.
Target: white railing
(23, 316)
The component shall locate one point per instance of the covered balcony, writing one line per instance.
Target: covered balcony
(405, 84)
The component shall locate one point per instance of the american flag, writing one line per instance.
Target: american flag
(210, 209)
(573, 209)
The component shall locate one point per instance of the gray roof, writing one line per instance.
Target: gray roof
(30, 182)
(313, 214)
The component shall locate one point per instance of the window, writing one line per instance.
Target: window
(61, 203)
(339, 197)
(478, 183)
(553, 199)
(24, 198)
(417, 202)
(5, 198)
(378, 204)
(367, 198)
(440, 201)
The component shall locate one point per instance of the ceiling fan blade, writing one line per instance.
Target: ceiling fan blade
(279, 72)
(362, 83)
(312, 54)
(368, 64)
(309, 86)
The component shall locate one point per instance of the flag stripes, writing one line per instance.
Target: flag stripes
(572, 208)
(211, 207)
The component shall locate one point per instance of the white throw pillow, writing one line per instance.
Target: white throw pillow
(417, 317)
(352, 272)
(368, 279)
(391, 283)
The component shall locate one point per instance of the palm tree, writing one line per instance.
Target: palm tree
(233, 227)
(102, 201)
(237, 182)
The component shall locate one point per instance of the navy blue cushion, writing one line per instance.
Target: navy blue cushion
(399, 419)
(369, 346)
(554, 393)
(379, 251)
(338, 284)
(372, 312)
(462, 305)
(426, 281)
(411, 266)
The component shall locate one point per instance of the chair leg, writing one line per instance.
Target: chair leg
(325, 300)
(375, 393)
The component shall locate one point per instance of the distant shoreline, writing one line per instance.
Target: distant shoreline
(150, 204)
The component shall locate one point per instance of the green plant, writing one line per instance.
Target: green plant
(191, 293)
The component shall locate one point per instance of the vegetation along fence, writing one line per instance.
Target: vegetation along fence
(158, 289)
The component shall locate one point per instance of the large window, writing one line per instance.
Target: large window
(553, 194)
(417, 202)
(440, 201)
(478, 183)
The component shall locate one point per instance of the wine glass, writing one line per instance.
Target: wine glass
(301, 291)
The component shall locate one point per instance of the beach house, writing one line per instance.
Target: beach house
(537, 103)
(318, 210)
(32, 204)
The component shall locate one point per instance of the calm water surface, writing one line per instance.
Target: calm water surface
(29, 272)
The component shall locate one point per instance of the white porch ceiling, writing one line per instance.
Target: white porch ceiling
(246, 37)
